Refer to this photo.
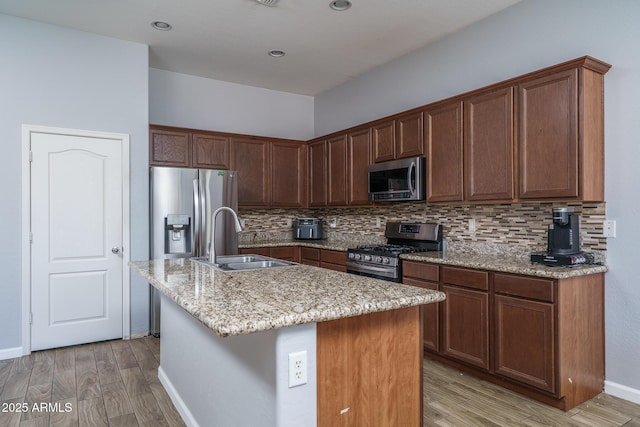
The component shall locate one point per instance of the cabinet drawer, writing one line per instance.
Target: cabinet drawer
(335, 267)
(523, 286)
(264, 251)
(310, 253)
(334, 257)
(420, 270)
(465, 277)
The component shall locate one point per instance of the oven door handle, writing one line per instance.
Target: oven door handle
(368, 268)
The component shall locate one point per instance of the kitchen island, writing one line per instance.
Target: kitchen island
(227, 336)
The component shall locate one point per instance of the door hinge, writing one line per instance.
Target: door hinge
(31, 318)
(30, 237)
(30, 156)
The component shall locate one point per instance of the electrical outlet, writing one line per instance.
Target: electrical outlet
(472, 225)
(378, 223)
(288, 223)
(297, 368)
(242, 223)
(609, 228)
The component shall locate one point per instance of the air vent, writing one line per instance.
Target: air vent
(267, 2)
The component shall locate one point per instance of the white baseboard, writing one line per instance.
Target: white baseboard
(182, 409)
(139, 335)
(10, 353)
(622, 391)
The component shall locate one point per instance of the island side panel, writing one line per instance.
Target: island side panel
(369, 369)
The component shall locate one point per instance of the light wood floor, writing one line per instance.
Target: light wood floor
(116, 383)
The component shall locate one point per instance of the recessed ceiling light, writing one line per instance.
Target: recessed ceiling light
(277, 53)
(161, 25)
(340, 5)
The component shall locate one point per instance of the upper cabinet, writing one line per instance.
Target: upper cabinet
(409, 142)
(358, 161)
(210, 151)
(169, 147)
(250, 157)
(337, 171)
(288, 174)
(317, 174)
(398, 138)
(488, 145)
(383, 136)
(561, 133)
(443, 134)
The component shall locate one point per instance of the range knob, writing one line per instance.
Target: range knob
(352, 256)
(367, 257)
(357, 256)
(378, 259)
(386, 260)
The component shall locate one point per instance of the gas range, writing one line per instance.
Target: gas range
(383, 261)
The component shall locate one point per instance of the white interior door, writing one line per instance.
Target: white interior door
(76, 249)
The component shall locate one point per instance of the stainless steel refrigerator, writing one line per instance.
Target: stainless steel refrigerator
(181, 204)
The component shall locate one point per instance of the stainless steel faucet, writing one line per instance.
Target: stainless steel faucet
(212, 251)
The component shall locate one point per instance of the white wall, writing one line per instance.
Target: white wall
(195, 102)
(53, 76)
(527, 36)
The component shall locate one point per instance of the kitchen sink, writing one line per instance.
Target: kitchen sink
(242, 262)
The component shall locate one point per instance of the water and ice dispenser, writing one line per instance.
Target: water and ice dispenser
(177, 234)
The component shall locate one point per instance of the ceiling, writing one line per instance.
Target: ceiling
(229, 39)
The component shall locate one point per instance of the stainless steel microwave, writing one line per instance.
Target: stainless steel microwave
(397, 180)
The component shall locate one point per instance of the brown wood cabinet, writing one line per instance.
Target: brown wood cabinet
(369, 370)
(425, 276)
(288, 174)
(251, 158)
(465, 316)
(318, 174)
(333, 260)
(409, 135)
(383, 140)
(443, 136)
(337, 171)
(169, 147)
(210, 151)
(310, 256)
(541, 337)
(359, 159)
(286, 253)
(488, 146)
(561, 133)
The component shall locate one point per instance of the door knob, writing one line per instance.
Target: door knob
(115, 250)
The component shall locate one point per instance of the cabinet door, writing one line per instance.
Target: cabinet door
(524, 341)
(337, 171)
(488, 146)
(383, 138)
(286, 253)
(548, 136)
(288, 174)
(430, 316)
(443, 134)
(264, 251)
(409, 138)
(318, 174)
(169, 148)
(465, 326)
(359, 160)
(210, 151)
(251, 159)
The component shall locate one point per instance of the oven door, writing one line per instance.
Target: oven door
(391, 274)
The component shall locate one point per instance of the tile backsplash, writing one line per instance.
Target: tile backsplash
(520, 224)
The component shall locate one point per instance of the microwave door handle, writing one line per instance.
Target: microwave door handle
(411, 171)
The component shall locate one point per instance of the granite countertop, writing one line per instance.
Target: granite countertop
(243, 302)
(504, 263)
(516, 262)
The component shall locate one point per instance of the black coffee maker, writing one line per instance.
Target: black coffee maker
(564, 233)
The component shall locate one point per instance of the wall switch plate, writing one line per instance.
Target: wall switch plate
(288, 223)
(609, 228)
(297, 368)
(472, 225)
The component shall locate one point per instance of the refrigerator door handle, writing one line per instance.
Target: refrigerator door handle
(203, 217)
(196, 219)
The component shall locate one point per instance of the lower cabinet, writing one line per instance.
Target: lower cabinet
(310, 256)
(325, 258)
(286, 253)
(333, 260)
(540, 337)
